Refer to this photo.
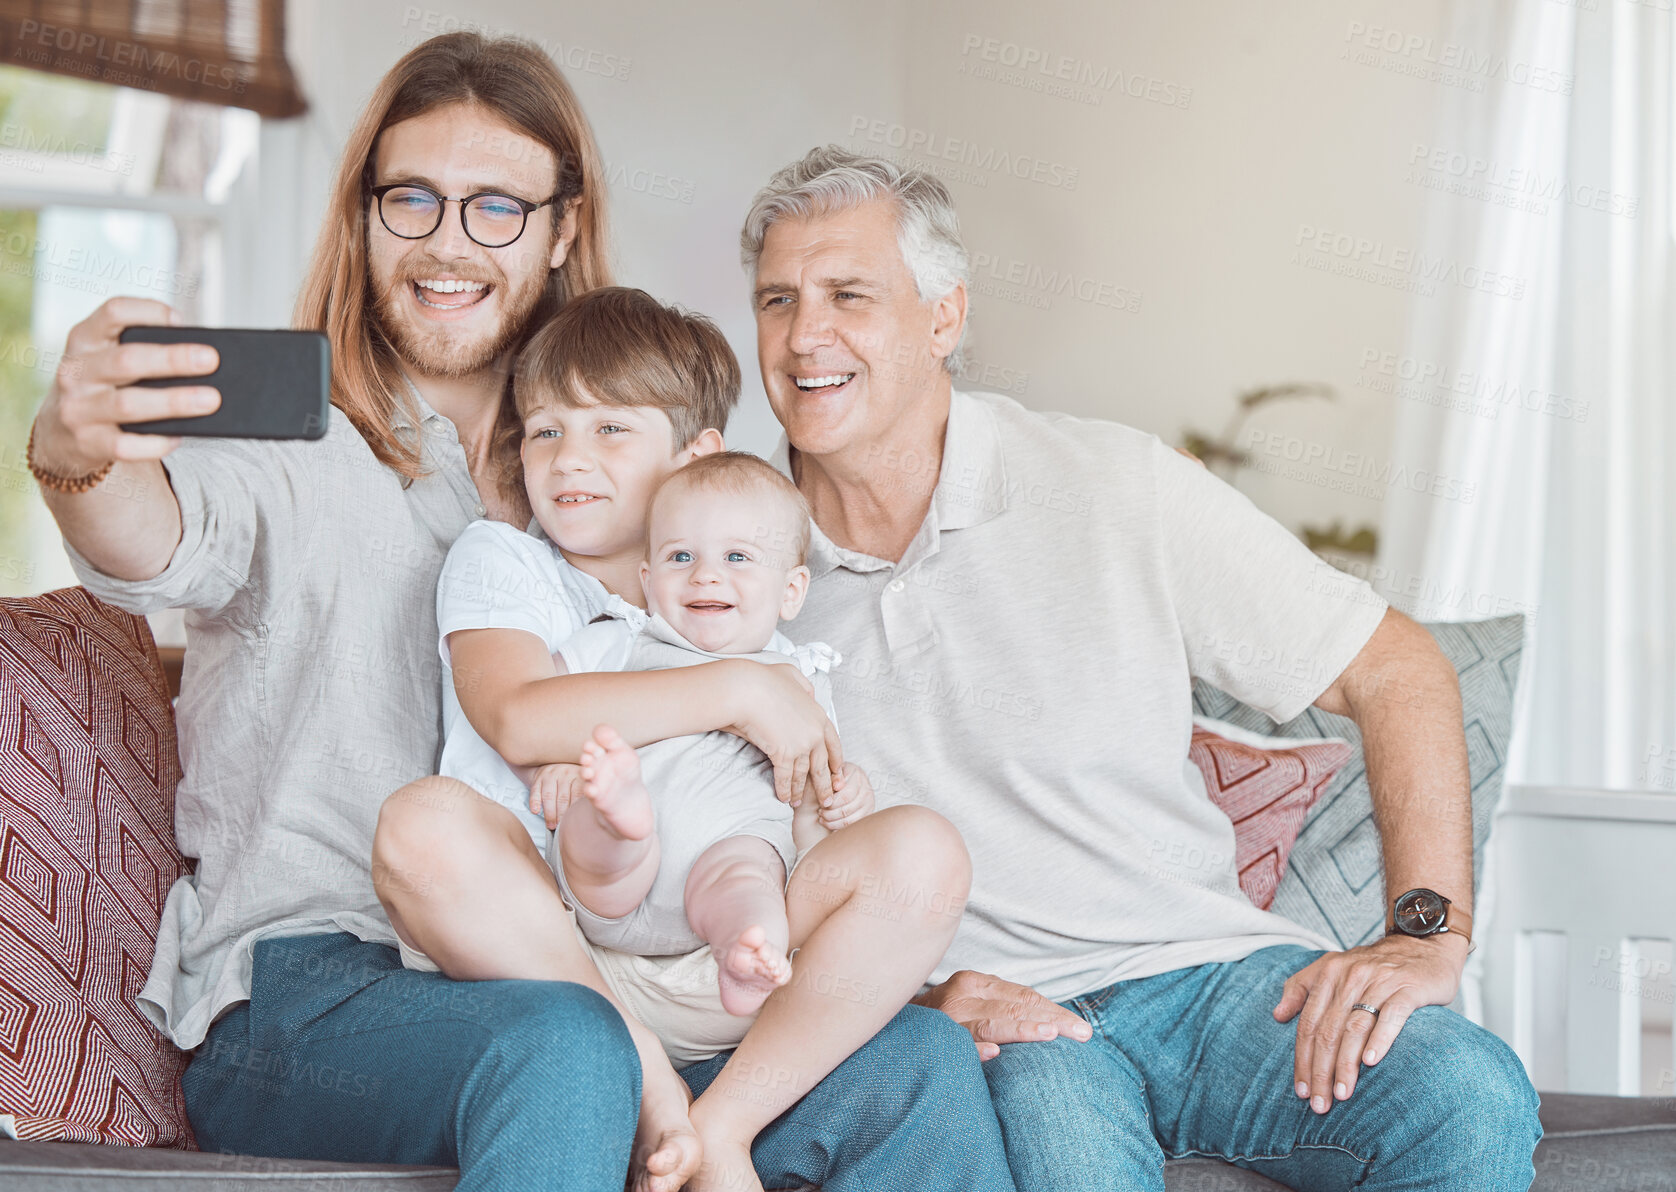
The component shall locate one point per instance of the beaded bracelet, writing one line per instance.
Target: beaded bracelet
(62, 484)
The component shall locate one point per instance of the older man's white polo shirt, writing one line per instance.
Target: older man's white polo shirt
(1025, 670)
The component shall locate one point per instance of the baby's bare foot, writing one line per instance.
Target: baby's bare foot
(727, 1167)
(611, 782)
(751, 969)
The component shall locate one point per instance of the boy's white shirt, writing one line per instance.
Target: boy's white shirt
(497, 576)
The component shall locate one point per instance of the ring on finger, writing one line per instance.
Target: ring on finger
(1374, 1010)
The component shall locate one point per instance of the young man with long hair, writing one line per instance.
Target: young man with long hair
(468, 206)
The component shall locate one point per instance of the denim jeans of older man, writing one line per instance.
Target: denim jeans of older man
(1193, 1063)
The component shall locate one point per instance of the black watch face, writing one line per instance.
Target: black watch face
(1420, 912)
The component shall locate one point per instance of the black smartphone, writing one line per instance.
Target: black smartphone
(274, 384)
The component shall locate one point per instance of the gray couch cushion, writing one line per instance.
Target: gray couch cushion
(77, 1167)
(1613, 1144)
(1213, 1175)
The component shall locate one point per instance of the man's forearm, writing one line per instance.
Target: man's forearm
(127, 525)
(1407, 705)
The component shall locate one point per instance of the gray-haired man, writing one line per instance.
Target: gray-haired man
(1021, 600)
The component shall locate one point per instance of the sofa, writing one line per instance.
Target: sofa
(89, 1091)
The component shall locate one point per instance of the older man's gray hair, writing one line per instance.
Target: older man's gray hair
(831, 179)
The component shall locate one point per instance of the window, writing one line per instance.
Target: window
(106, 191)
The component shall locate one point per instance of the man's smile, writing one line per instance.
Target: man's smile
(824, 384)
(449, 293)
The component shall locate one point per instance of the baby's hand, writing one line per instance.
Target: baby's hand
(852, 797)
(552, 789)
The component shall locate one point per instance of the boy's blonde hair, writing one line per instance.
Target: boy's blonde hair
(744, 474)
(616, 346)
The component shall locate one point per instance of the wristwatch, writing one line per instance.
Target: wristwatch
(1422, 912)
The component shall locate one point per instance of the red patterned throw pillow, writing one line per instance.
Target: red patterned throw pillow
(88, 769)
(1266, 785)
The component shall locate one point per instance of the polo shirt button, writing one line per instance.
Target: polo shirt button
(481, 511)
(897, 585)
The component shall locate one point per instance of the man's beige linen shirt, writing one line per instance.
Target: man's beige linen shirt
(1025, 671)
(312, 689)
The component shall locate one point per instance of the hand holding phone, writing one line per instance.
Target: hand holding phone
(273, 384)
(94, 390)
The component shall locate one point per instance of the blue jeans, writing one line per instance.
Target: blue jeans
(527, 1085)
(907, 1111)
(1192, 1062)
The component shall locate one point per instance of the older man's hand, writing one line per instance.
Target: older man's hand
(998, 1012)
(1398, 975)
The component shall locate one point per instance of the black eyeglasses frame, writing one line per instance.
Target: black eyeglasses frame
(442, 201)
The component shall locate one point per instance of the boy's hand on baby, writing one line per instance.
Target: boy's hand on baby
(552, 789)
(851, 798)
(778, 713)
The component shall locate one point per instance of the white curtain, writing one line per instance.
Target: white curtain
(1556, 402)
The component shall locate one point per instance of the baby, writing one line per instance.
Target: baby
(685, 844)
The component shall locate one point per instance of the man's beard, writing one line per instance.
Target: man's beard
(443, 350)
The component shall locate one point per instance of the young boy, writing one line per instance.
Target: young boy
(685, 844)
(616, 395)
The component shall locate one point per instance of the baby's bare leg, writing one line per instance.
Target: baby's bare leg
(872, 909)
(606, 842)
(736, 903)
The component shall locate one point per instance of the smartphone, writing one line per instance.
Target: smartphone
(274, 384)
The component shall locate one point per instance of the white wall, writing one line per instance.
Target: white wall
(1251, 120)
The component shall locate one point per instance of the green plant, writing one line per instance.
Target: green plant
(1223, 455)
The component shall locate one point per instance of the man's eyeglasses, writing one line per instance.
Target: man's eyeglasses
(413, 212)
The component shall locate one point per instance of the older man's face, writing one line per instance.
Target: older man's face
(844, 342)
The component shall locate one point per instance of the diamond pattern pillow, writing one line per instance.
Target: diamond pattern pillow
(1266, 785)
(1333, 881)
(88, 769)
